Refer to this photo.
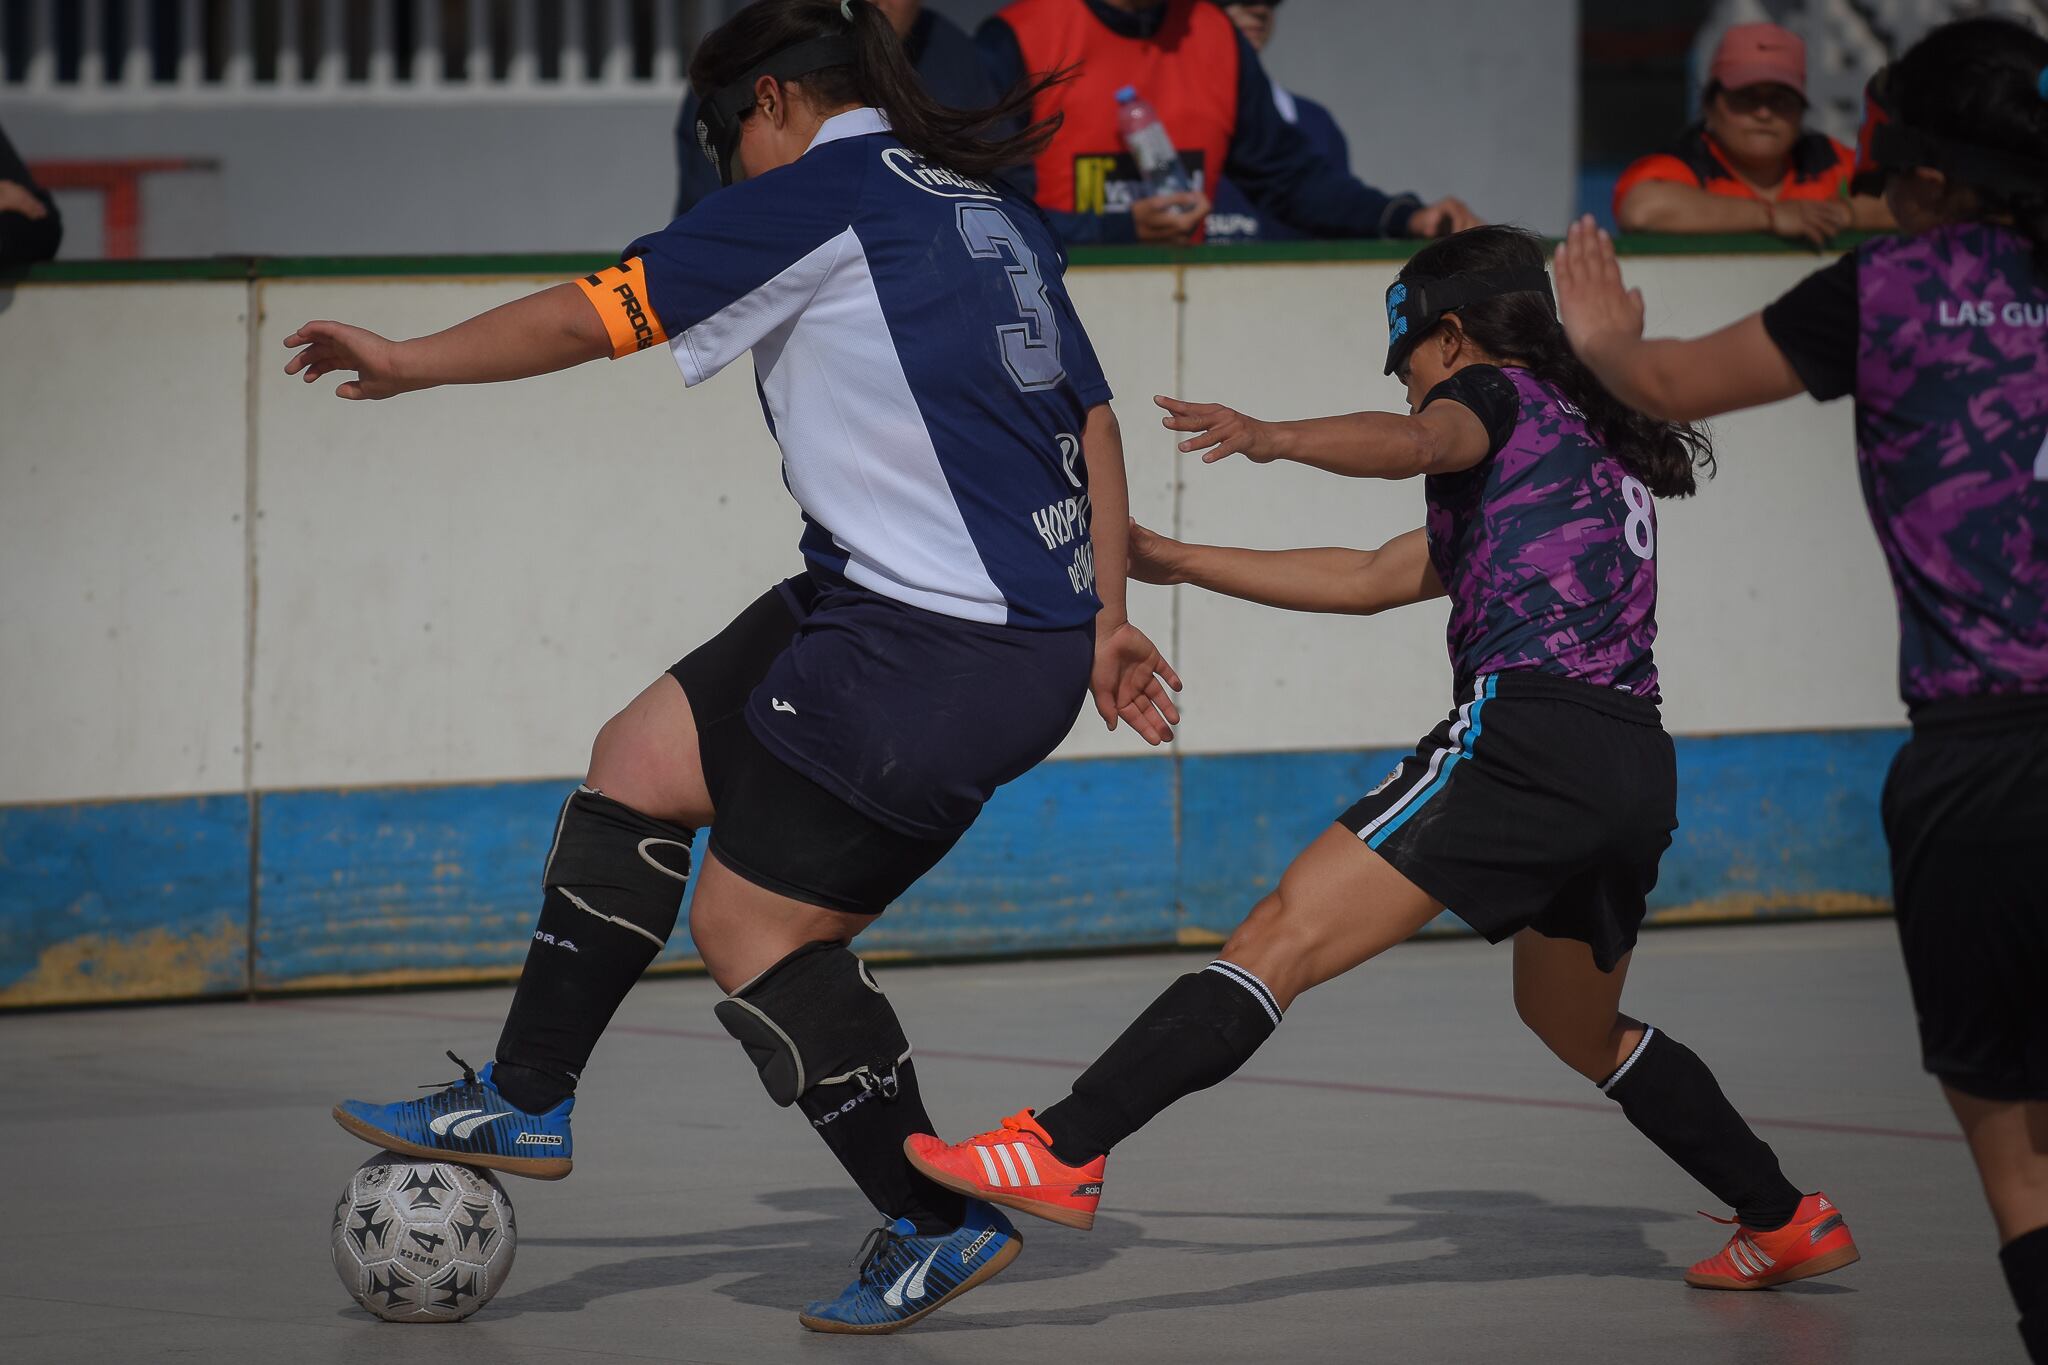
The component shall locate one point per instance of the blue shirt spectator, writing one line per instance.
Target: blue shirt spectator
(1236, 218)
(940, 50)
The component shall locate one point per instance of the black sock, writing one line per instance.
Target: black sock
(608, 908)
(1674, 1101)
(824, 1037)
(1204, 1027)
(2025, 1262)
(865, 1123)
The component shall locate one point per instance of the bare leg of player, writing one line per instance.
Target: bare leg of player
(2009, 1142)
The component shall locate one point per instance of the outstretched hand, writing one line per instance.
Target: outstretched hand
(1153, 555)
(332, 346)
(1597, 309)
(1223, 431)
(1131, 679)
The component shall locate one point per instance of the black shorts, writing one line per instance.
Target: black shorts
(1540, 803)
(849, 740)
(1965, 812)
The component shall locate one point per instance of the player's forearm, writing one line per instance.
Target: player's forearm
(1322, 580)
(1109, 522)
(1661, 206)
(1359, 445)
(1648, 374)
(539, 334)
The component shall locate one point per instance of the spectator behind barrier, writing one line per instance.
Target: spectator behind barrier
(1748, 165)
(1193, 66)
(30, 226)
(940, 50)
(1236, 218)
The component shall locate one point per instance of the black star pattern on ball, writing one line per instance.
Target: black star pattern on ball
(392, 1289)
(469, 1226)
(426, 1188)
(370, 1229)
(456, 1290)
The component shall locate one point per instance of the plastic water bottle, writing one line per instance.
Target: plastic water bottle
(1146, 137)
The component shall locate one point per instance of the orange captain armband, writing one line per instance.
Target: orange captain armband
(619, 294)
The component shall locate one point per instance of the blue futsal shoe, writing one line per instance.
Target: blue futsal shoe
(469, 1123)
(905, 1274)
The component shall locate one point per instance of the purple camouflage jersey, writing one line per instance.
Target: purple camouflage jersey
(1547, 550)
(1952, 441)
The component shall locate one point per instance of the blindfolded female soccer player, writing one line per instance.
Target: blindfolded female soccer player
(945, 427)
(1538, 810)
(1941, 334)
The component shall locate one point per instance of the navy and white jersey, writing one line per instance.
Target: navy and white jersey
(918, 359)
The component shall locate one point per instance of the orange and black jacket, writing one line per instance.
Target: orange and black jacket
(1820, 169)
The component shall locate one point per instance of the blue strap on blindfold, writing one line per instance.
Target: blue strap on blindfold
(1416, 304)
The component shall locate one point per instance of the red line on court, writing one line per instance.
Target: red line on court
(1288, 1082)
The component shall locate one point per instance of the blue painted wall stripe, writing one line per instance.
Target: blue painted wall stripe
(151, 898)
(124, 900)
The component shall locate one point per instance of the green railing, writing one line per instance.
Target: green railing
(576, 263)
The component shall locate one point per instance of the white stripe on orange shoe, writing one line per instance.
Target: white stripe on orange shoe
(1009, 1166)
(1024, 1156)
(995, 1181)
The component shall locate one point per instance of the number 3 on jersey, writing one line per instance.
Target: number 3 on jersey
(1031, 348)
(1641, 529)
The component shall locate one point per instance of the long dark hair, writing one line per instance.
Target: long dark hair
(973, 142)
(1977, 81)
(1521, 329)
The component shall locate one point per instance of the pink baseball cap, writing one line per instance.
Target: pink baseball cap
(1752, 54)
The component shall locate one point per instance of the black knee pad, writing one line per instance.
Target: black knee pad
(623, 867)
(814, 1019)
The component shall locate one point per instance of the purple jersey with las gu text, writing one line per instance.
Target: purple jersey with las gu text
(1943, 339)
(1547, 547)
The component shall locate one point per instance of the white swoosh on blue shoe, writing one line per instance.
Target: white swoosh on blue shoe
(468, 1126)
(442, 1124)
(916, 1290)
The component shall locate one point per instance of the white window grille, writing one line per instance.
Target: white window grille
(214, 51)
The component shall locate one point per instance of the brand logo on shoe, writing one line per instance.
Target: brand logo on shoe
(463, 1122)
(910, 1284)
(780, 705)
(538, 1140)
(1090, 1191)
(974, 1247)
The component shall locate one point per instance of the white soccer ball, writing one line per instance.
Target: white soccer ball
(422, 1241)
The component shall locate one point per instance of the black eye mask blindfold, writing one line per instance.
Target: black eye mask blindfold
(721, 113)
(1416, 304)
(1886, 145)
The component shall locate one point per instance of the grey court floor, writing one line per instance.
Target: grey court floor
(1401, 1175)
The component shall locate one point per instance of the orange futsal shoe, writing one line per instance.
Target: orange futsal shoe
(1013, 1166)
(1813, 1243)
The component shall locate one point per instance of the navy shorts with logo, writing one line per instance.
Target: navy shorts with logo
(1541, 802)
(849, 739)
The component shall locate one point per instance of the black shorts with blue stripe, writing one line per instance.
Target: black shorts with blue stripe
(1540, 803)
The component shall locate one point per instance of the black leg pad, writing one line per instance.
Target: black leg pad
(814, 1019)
